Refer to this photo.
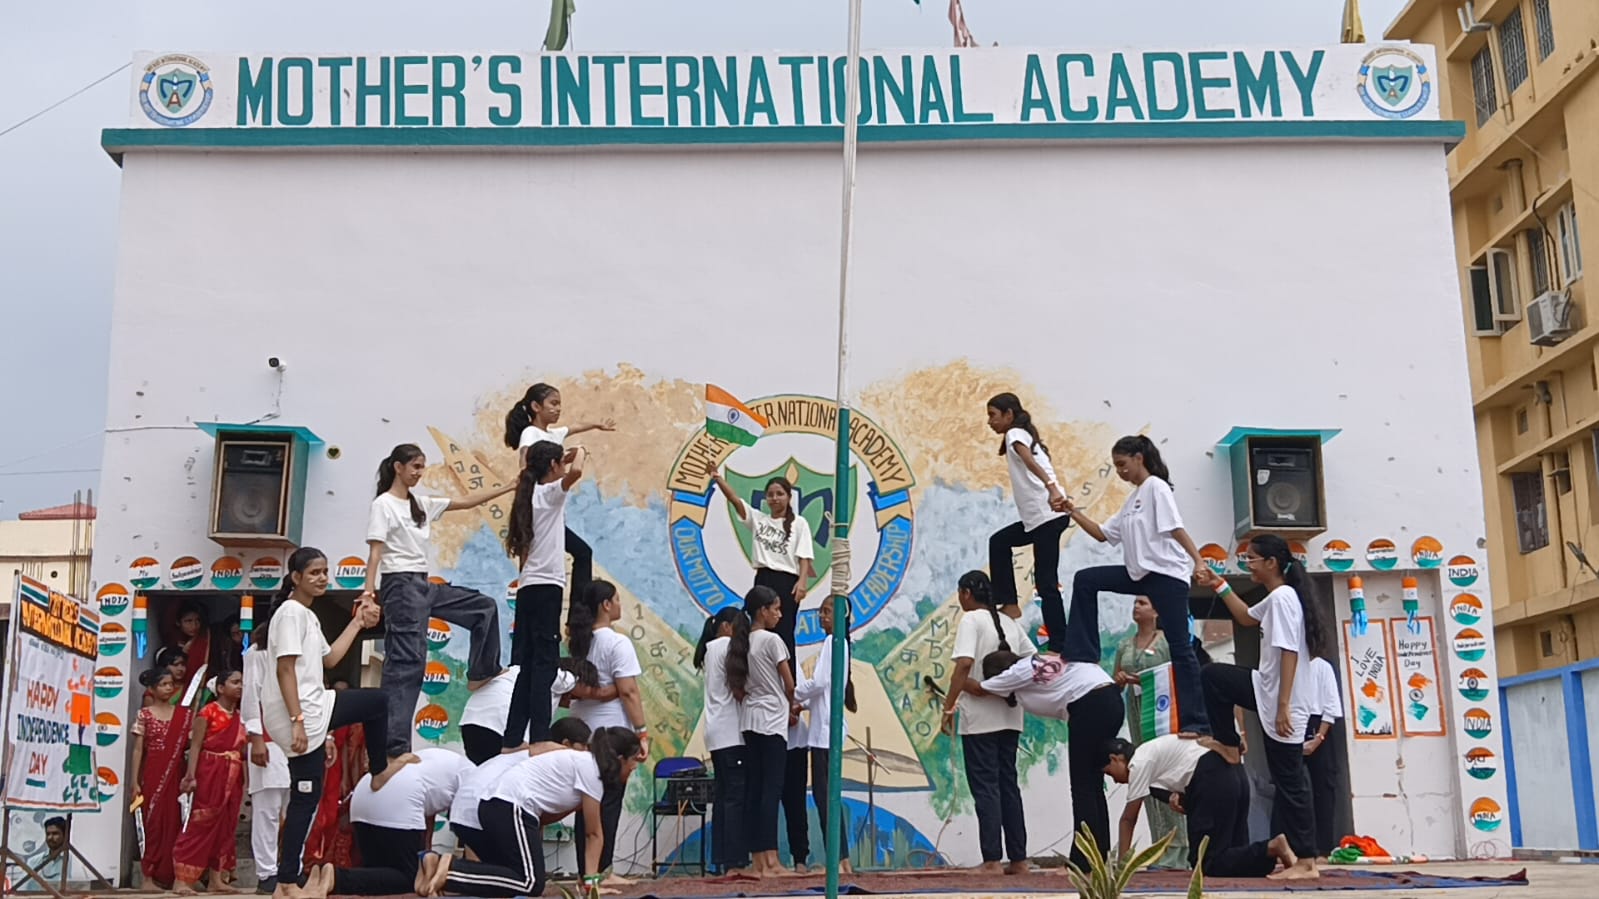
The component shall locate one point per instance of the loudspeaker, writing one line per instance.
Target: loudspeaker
(253, 494)
(1278, 486)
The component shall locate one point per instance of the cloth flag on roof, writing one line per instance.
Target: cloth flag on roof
(957, 21)
(729, 420)
(560, 24)
(1158, 712)
(1354, 31)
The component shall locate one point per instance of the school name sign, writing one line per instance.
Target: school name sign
(994, 86)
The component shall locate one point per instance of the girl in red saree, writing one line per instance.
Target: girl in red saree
(160, 734)
(216, 780)
(194, 638)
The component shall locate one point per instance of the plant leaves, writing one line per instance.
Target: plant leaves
(1196, 884)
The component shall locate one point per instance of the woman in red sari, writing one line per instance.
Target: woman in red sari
(194, 638)
(160, 734)
(216, 780)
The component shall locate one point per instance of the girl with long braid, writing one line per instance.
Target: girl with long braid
(532, 420)
(1281, 691)
(990, 728)
(397, 565)
(759, 675)
(1041, 506)
(781, 547)
(724, 740)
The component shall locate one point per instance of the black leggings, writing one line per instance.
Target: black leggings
(388, 862)
(783, 584)
(991, 777)
(1322, 769)
(795, 812)
(610, 820)
(366, 707)
(512, 855)
(1292, 808)
(1217, 806)
(821, 777)
(763, 786)
(1095, 717)
(1045, 540)
(538, 645)
(729, 833)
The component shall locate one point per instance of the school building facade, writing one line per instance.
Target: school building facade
(324, 256)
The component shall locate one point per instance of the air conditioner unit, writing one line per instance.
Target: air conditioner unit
(1550, 318)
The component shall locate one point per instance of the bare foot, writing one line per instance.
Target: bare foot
(424, 872)
(738, 872)
(435, 884)
(1280, 850)
(218, 884)
(987, 868)
(395, 764)
(1303, 869)
(1020, 867)
(472, 685)
(288, 891)
(184, 889)
(616, 880)
(319, 882)
(801, 869)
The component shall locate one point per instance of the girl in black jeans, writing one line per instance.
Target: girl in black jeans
(1159, 558)
(724, 741)
(1042, 506)
(1281, 691)
(759, 675)
(782, 548)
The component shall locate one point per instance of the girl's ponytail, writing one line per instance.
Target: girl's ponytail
(403, 454)
(1139, 445)
(298, 562)
(1317, 636)
(520, 418)
(580, 628)
(519, 528)
(1020, 418)
(998, 662)
(788, 516)
(611, 748)
(713, 625)
(978, 585)
(737, 663)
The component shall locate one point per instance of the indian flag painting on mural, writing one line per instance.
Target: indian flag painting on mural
(1159, 710)
(729, 420)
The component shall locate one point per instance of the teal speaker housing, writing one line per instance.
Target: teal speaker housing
(273, 493)
(1277, 479)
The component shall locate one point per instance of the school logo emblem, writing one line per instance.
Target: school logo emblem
(266, 573)
(187, 572)
(108, 682)
(175, 91)
(107, 728)
(1337, 556)
(1473, 684)
(1485, 815)
(144, 573)
(1394, 83)
(435, 678)
(1381, 554)
(350, 573)
(712, 549)
(113, 599)
(1427, 553)
(1470, 646)
(113, 639)
(1481, 763)
(1466, 609)
(1478, 723)
(226, 573)
(1462, 571)
(438, 634)
(432, 721)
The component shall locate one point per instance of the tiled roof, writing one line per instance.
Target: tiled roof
(67, 512)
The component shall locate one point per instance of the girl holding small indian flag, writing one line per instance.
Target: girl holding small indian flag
(781, 547)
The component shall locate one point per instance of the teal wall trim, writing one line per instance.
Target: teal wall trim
(118, 141)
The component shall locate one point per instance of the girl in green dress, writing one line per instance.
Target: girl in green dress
(1145, 649)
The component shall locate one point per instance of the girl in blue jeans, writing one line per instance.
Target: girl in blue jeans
(1158, 557)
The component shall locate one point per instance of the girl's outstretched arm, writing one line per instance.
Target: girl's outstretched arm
(604, 424)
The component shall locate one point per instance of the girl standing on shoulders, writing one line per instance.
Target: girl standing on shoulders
(815, 693)
(532, 420)
(990, 728)
(160, 733)
(534, 539)
(781, 548)
(298, 711)
(724, 740)
(216, 781)
(1159, 559)
(397, 532)
(1281, 691)
(604, 658)
(1042, 506)
(759, 675)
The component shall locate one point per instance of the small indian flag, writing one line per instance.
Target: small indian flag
(1158, 710)
(729, 420)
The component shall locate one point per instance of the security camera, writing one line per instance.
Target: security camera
(275, 363)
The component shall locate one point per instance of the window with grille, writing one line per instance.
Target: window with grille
(1482, 84)
(1513, 49)
(1532, 524)
(1545, 27)
(1538, 261)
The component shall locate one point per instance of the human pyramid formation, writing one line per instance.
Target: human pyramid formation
(521, 772)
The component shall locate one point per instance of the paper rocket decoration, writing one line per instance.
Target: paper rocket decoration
(1357, 606)
(247, 617)
(141, 639)
(1412, 600)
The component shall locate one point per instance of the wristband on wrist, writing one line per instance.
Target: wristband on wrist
(1223, 588)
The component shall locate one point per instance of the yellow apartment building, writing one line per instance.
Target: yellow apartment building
(1523, 184)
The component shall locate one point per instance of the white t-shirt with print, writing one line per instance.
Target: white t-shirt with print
(1143, 529)
(1046, 685)
(1166, 763)
(1282, 627)
(415, 793)
(533, 434)
(613, 655)
(722, 729)
(769, 549)
(475, 783)
(765, 707)
(546, 558)
(405, 546)
(296, 631)
(551, 782)
(1031, 494)
(975, 638)
(490, 705)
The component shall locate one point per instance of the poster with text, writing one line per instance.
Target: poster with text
(51, 702)
(1371, 692)
(1416, 672)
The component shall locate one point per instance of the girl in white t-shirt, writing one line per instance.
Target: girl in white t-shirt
(1323, 759)
(604, 657)
(299, 712)
(1084, 696)
(534, 419)
(990, 728)
(782, 548)
(1159, 559)
(534, 537)
(1041, 506)
(724, 740)
(815, 693)
(1281, 691)
(759, 675)
(397, 535)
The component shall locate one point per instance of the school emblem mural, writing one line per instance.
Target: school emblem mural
(712, 550)
(1394, 83)
(175, 90)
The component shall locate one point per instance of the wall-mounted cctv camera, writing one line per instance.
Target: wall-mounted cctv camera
(276, 364)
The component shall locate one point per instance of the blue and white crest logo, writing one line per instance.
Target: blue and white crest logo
(1394, 83)
(175, 90)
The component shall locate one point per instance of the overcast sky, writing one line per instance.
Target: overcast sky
(58, 191)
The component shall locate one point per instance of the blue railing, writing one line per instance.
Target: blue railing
(1576, 712)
